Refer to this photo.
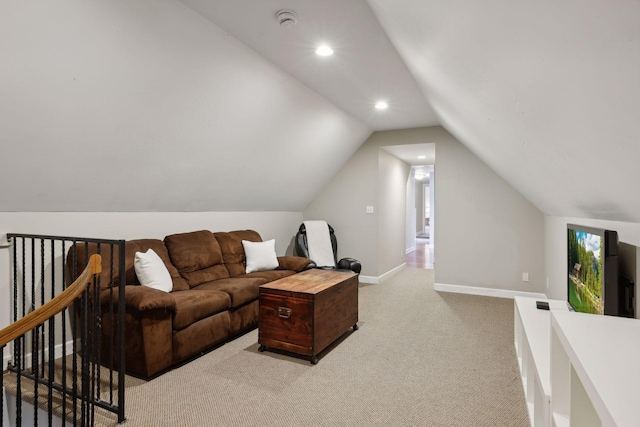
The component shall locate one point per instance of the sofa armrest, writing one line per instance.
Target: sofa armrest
(350, 264)
(295, 263)
(141, 298)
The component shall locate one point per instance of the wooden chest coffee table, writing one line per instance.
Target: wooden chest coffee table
(306, 312)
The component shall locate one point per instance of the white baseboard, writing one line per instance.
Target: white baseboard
(375, 280)
(489, 292)
(409, 250)
(391, 272)
(368, 279)
(8, 356)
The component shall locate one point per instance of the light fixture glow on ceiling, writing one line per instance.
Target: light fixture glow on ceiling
(381, 105)
(324, 50)
(422, 157)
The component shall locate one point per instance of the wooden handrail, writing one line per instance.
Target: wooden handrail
(53, 307)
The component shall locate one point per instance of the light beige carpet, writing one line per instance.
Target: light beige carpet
(420, 358)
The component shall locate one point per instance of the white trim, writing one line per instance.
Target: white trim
(409, 250)
(489, 292)
(375, 280)
(368, 279)
(8, 356)
(391, 272)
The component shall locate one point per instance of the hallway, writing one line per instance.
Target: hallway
(422, 257)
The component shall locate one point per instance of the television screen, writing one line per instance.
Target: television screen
(586, 271)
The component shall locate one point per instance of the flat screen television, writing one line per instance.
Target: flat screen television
(592, 255)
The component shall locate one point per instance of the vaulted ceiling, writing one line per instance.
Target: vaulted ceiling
(211, 105)
(546, 93)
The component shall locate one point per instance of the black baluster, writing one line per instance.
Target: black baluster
(34, 333)
(121, 336)
(64, 340)
(42, 294)
(19, 341)
(2, 386)
(52, 334)
(112, 331)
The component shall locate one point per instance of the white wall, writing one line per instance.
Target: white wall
(487, 234)
(393, 174)
(555, 229)
(432, 213)
(412, 213)
(342, 203)
(343, 200)
(419, 206)
(281, 226)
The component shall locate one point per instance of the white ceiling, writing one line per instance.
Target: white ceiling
(414, 154)
(168, 98)
(546, 93)
(365, 67)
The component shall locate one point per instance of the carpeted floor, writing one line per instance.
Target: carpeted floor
(420, 358)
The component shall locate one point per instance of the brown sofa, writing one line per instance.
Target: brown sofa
(213, 299)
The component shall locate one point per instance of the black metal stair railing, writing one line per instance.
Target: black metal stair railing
(57, 365)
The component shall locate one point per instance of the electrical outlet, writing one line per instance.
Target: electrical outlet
(369, 209)
(525, 277)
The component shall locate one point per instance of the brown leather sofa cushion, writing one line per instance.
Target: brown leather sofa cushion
(241, 290)
(197, 256)
(232, 250)
(139, 298)
(110, 272)
(195, 304)
(77, 259)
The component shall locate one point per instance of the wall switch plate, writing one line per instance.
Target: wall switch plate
(369, 209)
(525, 277)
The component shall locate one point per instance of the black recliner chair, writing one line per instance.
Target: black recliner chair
(302, 249)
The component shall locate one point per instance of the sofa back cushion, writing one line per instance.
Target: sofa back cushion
(77, 259)
(197, 256)
(233, 251)
(158, 246)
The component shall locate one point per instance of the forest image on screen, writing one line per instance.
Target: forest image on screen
(585, 272)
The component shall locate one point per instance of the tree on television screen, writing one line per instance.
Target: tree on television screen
(585, 270)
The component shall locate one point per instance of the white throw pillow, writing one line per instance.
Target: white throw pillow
(152, 272)
(261, 256)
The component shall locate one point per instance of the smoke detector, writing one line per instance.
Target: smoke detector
(287, 18)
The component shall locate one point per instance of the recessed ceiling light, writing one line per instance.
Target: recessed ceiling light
(324, 50)
(422, 157)
(381, 105)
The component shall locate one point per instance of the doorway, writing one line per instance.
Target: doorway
(419, 217)
(422, 179)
